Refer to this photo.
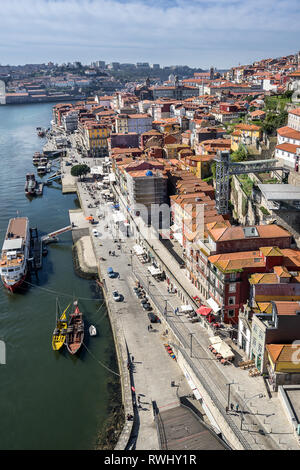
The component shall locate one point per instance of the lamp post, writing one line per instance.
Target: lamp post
(228, 399)
(191, 346)
(259, 395)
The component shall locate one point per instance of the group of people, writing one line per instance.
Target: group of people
(232, 407)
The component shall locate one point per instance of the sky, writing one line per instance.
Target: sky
(197, 33)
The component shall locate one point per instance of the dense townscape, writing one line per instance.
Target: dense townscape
(198, 185)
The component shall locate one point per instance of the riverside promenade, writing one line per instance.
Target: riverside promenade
(262, 425)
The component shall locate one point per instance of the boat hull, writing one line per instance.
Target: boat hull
(75, 332)
(13, 287)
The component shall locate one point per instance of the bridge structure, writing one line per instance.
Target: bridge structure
(52, 236)
(226, 168)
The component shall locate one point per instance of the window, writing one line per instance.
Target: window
(232, 276)
(231, 301)
(232, 287)
(230, 313)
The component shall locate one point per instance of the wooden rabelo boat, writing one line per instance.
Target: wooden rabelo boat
(60, 331)
(75, 330)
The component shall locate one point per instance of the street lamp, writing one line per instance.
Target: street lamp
(228, 400)
(191, 346)
(258, 395)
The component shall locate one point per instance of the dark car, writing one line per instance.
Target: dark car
(147, 307)
(153, 318)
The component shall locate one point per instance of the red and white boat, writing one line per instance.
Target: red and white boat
(15, 253)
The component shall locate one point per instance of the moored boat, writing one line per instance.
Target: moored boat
(30, 184)
(75, 330)
(15, 253)
(60, 331)
(42, 169)
(92, 330)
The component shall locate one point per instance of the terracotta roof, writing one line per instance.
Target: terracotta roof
(283, 352)
(290, 148)
(287, 308)
(288, 132)
(295, 111)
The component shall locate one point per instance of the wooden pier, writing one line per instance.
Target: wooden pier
(36, 250)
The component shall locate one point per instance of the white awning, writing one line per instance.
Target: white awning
(138, 249)
(186, 308)
(223, 349)
(215, 339)
(178, 237)
(154, 271)
(97, 170)
(12, 244)
(211, 302)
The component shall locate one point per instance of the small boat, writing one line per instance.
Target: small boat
(41, 169)
(60, 331)
(92, 330)
(30, 184)
(75, 330)
(41, 132)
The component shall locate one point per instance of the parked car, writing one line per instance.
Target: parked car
(147, 307)
(116, 296)
(95, 232)
(153, 318)
(110, 272)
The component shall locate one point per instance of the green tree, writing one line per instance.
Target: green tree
(239, 155)
(80, 170)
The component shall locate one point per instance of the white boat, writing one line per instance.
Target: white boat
(92, 330)
(15, 253)
(42, 169)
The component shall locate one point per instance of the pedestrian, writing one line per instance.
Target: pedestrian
(132, 358)
(237, 407)
(231, 406)
(148, 327)
(109, 252)
(139, 399)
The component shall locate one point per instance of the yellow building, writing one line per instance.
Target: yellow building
(96, 138)
(284, 357)
(246, 134)
(199, 165)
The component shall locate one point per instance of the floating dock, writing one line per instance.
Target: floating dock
(36, 250)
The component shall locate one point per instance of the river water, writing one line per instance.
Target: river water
(48, 400)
